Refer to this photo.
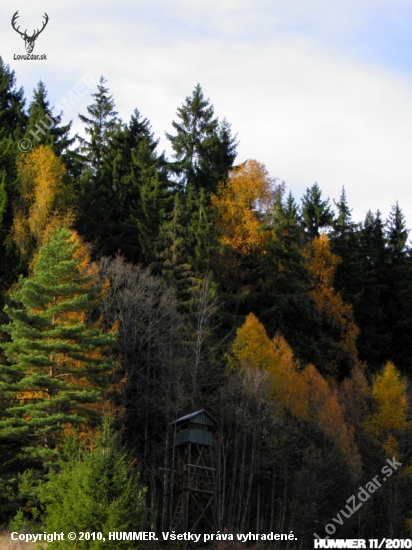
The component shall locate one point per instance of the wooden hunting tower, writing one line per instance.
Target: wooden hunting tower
(193, 477)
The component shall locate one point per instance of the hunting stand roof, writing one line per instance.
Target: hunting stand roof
(196, 427)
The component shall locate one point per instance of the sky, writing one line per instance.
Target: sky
(317, 90)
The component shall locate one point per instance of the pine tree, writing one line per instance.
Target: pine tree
(204, 149)
(59, 367)
(383, 306)
(373, 240)
(343, 224)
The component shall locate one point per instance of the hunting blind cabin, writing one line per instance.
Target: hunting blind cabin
(192, 478)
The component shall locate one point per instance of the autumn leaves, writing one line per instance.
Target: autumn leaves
(241, 205)
(302, 393)
(45, 201)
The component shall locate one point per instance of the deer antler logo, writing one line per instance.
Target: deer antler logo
(28, 40)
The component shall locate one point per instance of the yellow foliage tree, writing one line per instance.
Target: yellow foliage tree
(325, 408)
(288, 384)
(241, 204)
(389, 421)
(44, 202)
(305, 394)
(338, 325)
(355, 395)
(252, 346)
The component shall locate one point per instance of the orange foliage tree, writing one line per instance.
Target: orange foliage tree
(241, 205)
(338, 328)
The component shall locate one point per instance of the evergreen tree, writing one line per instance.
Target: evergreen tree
(173, 258)
(13, 119)
(124, 185)
(59, 368)
(13, 122)
(283, 302)
(397, 235)
(99, 127)
(187, 245)
(141, 182)
(398, 296)
(204, 148)
(316, 213)
(291, 210)
(94, 490)
(369, 307)
(342, 224)
(373, 240)
(97, 222)
(43, 127)
(202, 241)
(344, 239)
(385, 291)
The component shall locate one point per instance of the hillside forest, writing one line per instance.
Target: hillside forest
(137, 288)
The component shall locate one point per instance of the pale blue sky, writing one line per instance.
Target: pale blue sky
(317, 90)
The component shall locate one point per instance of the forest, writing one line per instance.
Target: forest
(136, 289)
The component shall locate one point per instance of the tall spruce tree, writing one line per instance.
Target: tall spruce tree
(44, 127)
(374, 339)
(397, 235)
(124, 193)
(13, 121)
(58, 363)
(316, 213)
(283, 302)
(96, 221)
(173, 260)
(142, 196)
(204, 149)
(398, 288)
(344, 239)
(99, 126)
